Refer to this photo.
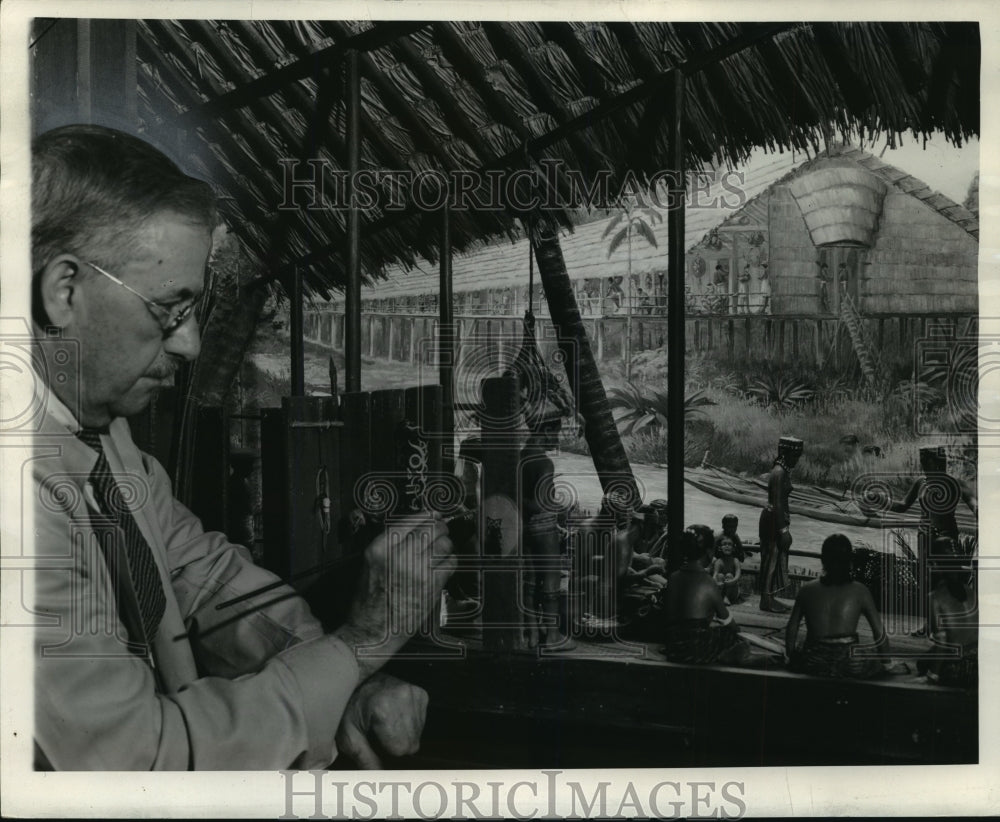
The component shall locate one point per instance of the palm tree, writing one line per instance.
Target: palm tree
(636, 221)
(601, 432)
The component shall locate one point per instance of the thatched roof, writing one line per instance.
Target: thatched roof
(505, 265)
(448, 96)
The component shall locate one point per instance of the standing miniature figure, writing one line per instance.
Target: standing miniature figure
(765, 290)
(775, 537)
(744, 291)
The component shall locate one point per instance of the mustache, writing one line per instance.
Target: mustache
(162, 373)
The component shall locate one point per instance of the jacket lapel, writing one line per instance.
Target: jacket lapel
(171, 647)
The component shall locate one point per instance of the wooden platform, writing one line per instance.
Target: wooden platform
(618, 704)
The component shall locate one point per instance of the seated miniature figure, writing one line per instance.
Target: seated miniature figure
(700, 628)
(832, 606)
(953, 619)
(726, 571)
(730, 522)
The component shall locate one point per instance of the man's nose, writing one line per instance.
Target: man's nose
(185, 342)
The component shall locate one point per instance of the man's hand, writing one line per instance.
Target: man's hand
(405, 570)
(385, 715)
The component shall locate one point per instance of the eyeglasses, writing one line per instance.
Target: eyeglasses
(170, 317)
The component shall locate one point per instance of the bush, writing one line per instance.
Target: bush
(638, 410)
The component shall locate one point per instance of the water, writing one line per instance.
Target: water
(578, 472)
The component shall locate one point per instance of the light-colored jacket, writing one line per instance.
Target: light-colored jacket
(254, 686)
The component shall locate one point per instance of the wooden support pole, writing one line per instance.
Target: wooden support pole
(446, 340)
(352, 302)
(298, 350)
(675, 321)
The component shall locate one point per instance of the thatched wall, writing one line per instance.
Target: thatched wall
(921, 262)
(793, 257)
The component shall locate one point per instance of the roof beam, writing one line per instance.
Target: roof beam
(753, 35)
(457, 119)
(398, 104)
(407, 53)
(323, 133)
(590, 72)
(267, 110)
(506, 44)
(374, 38)
(249, 207)
(458, 55)
(628, 38)
(256, 142)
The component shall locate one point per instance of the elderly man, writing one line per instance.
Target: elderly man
(135, 666)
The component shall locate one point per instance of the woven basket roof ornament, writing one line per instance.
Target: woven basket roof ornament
(841, 206)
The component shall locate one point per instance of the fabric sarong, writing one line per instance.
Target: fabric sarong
(696, 642)
(835, 657)
(960, 673)
(768, 532)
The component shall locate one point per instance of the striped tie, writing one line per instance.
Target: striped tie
(141, 564)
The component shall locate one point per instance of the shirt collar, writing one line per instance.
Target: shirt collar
(58, 412)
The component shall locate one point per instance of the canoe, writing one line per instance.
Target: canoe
(808, 501)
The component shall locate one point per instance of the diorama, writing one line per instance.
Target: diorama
(648, 312)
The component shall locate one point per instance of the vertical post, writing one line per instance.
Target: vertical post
(84, 80)
(627, 347)
(446, 339)
(298, 345)
(675, 321)
(734, 288)
(352, 302)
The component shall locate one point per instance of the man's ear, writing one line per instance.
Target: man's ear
(58, 286)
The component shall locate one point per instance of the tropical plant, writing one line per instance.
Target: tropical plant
(910, 397)
(636, 410)
(778, 392)
(631, 220)
(836, 389)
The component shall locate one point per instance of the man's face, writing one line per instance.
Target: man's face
(125, 355)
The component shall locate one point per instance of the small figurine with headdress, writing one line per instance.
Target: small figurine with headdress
(775, 536)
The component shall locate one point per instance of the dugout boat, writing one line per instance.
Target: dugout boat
(810, 501)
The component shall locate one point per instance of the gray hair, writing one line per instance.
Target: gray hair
(93, 188)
